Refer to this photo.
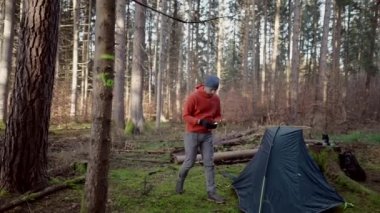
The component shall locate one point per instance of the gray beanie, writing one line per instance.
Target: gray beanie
(212, 82)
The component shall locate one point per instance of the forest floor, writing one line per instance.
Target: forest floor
(142, 176)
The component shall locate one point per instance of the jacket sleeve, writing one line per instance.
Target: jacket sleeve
(189, 109)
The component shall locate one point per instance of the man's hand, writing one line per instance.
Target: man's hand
(207, 124)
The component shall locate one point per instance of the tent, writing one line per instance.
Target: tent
(283, 178)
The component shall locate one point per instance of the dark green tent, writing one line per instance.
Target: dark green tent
(283, 178)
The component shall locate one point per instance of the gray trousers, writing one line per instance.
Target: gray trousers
(203, 142)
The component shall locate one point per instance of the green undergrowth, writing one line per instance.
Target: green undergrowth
(70, 126)
(363, 198)
(152, 190)
(130, 128)
(2, 126)
(358, 136)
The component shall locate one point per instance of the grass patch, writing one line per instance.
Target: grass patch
(3, 193)
(358, 136)
(70, 126)
(152, 190)
(2, 125)
(372, 166)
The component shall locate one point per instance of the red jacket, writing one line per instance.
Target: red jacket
(200, 105)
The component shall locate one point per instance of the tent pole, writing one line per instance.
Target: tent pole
(265, 173)
(262, 193)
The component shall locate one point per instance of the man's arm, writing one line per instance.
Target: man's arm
(188, 111)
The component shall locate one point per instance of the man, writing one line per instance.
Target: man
(201, 114)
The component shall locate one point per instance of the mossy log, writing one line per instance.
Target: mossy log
(28, 197)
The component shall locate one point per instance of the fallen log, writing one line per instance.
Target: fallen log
(37, 195)
(234, 136)
(220, 156)
(238, 141)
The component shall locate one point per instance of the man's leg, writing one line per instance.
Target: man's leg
(207, 149)
(191, 149)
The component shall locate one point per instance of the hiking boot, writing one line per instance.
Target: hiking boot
(179, 186)
(215, 197)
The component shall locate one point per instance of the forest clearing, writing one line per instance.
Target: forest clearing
(261, 106)
(142, 175)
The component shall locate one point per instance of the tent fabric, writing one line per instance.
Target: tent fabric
(283, 178)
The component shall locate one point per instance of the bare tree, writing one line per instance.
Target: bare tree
(24, 155)
(97, 174)
(6, 56)
(137, 117)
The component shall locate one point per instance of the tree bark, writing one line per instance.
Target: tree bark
(173, 64)
(264, 76)
(6, 56)
(161, 64)
(74, 80)
(189, 56)
(334, 96)
(137, 116)
(97, 173)
(275, 54)
(220, 37)
(295, 59)
(118, 113)
(321, 86)
(24, 155)
(246, 28)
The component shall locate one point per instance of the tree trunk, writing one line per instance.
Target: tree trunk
(196, 71)
(264, 75)
(84, 65)
(137, 116)
(24, 156)
(370, 66)
(178, 93)
(97, 173)
(118, 113)
(295, 59)
(257, 50)
(246, 28)
(335, 100)
(274, 72)
(289, 52)
(161, 65)
(173, 63)
(346, 62)
(6, 56)
(219, 54)
(87, 60)
(321, 86)
(74, 80)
